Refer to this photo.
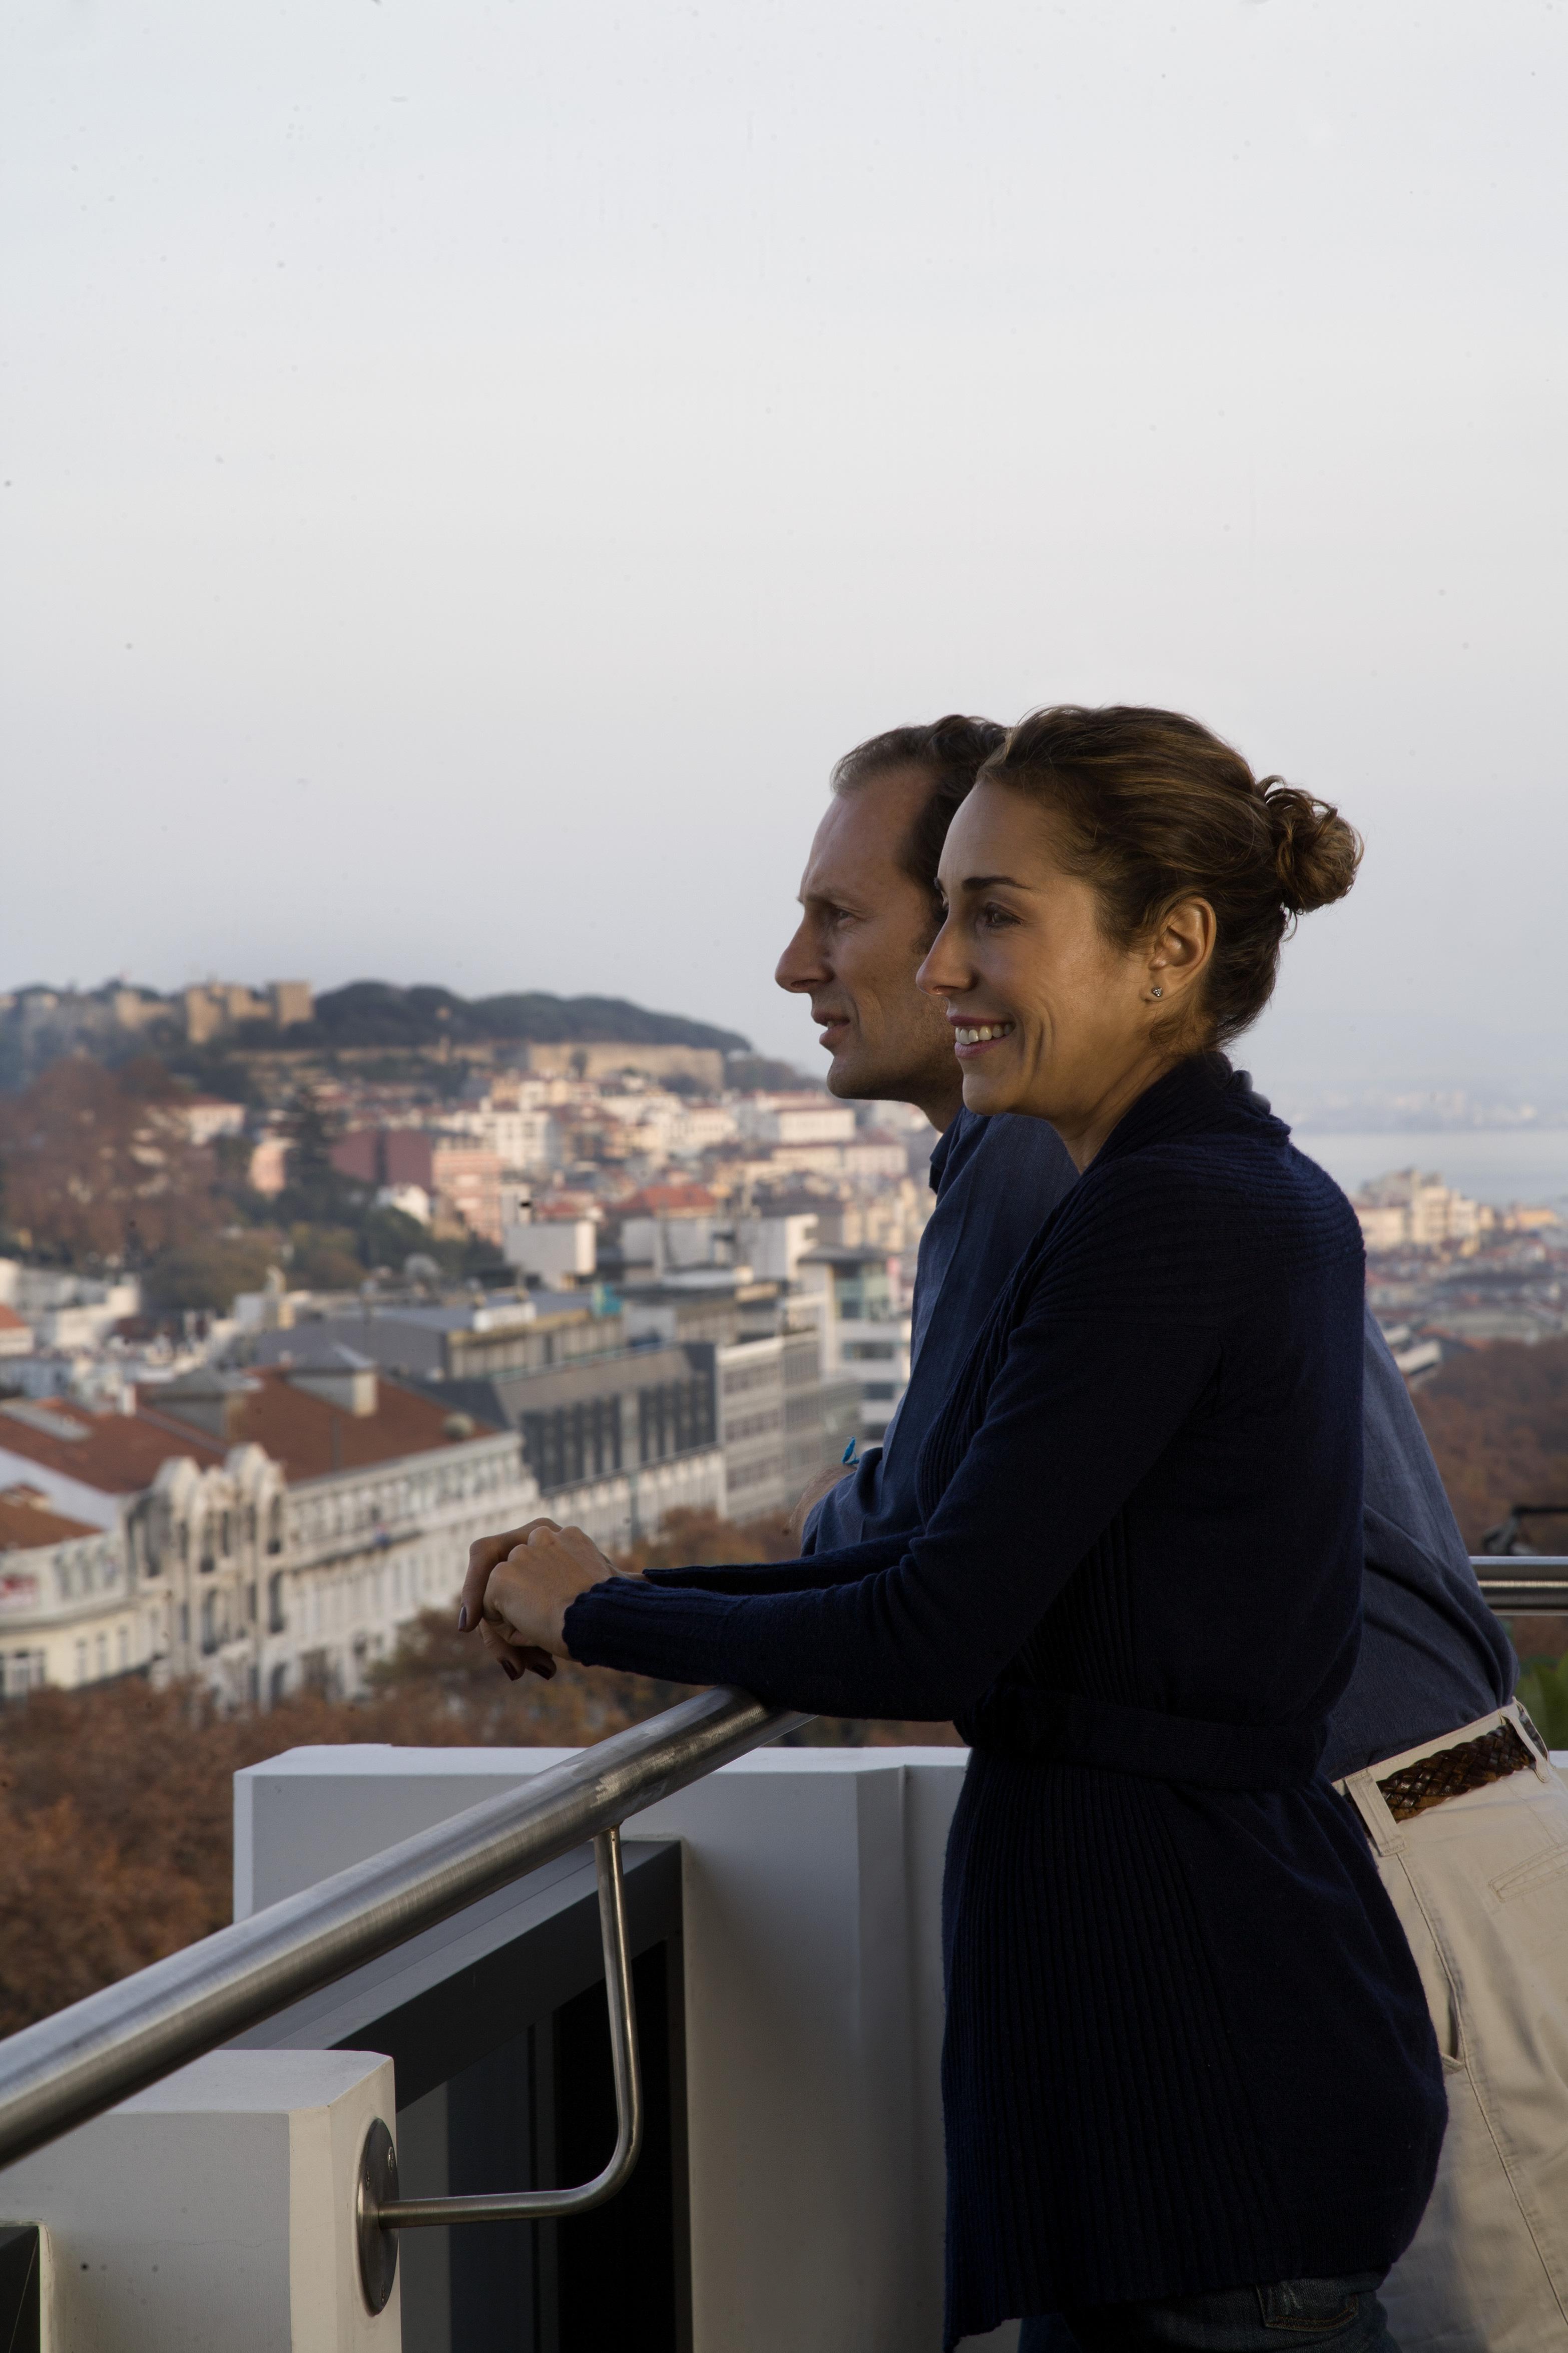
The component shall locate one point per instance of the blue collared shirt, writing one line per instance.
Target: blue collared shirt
(1433, 1657)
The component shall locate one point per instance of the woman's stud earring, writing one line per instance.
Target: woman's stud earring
(1156, 990)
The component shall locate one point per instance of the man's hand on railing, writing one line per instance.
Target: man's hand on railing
(520, 1587)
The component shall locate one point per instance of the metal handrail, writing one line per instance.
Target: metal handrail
(1533, 1581)
(72, 2067)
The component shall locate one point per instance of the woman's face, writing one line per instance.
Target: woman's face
(1048, 1016)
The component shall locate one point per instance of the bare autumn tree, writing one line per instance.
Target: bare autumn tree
(701, 1539)
(116, 1803)
(90, 1156)
(1497, 1420)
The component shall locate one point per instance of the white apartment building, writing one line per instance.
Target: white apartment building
(773, 1247)
(66, 1310)
(796, 1119)
(615, 1508)
(865, 1325)
(670, 1127)
(749, 1379)
(524, 1136)
(263, 1530)
(65, 1617)
(553, 1250)
(1408, 1210)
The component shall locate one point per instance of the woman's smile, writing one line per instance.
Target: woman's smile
(972, 1039)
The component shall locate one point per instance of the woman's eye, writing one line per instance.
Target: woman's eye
(993, 917)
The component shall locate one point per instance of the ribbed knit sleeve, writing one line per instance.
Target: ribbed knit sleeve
(1084, 1403)
(841, 1567)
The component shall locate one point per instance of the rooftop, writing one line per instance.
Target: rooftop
(123, 1453)
(120, 1453)
(26, 1521)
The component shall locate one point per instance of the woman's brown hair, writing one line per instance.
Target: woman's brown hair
(1150, 808)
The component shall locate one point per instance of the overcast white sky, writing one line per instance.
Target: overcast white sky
(472, 464)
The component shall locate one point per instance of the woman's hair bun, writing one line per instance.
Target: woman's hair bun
(1316, 853)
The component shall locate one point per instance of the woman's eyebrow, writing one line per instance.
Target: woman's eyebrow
(989, 882)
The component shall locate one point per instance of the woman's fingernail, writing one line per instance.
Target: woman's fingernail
(463, 1619)
(511, 1673)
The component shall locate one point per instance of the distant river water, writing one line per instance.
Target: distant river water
(1498, 1164)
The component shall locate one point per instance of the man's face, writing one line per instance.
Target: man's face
(866, 927)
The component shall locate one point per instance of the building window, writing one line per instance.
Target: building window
(275, 1527)
(209, 1623)
(81, 1662)
(277, 1617)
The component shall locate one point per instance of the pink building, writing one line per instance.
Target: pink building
(462, 1179)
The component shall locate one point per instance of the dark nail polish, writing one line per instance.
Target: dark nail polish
(512, 1672)
(463, 1619)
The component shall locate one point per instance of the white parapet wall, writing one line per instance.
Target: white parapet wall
(811, 1906)
(216, 2210)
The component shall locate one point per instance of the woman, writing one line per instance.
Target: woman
(1192, 2092)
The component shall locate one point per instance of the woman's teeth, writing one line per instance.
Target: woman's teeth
(983, 1033)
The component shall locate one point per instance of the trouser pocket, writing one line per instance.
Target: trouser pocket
(1306, 2308)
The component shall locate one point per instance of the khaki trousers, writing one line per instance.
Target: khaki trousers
(1480, 1885)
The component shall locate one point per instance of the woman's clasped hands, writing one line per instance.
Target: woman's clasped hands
(519, 1587)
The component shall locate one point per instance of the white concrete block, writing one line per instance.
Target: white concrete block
(216, 2210)
(813, 2009)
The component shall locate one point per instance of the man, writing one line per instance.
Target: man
(1468, 1821)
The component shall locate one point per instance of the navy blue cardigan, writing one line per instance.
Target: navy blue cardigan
(1186, 2046)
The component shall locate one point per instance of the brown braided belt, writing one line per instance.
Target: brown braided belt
(1472, 1765)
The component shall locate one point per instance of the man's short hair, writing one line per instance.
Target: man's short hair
(952, 751)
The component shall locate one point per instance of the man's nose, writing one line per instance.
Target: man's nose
(801, 967)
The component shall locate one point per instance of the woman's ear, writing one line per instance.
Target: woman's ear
(1181, 949)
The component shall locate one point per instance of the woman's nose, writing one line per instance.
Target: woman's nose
(943, 974)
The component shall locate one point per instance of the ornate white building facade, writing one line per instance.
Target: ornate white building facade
(221, 1567)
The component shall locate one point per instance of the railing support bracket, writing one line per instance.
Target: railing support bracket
(381, 2213)
(378, 2188)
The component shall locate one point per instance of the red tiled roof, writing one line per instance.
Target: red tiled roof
(25, 1520)
(122, 1453)
(666, 1200)
(11, 1322)
(311, 1439)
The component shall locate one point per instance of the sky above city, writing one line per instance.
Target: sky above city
(470, 468)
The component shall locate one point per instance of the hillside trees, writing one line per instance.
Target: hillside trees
(97, 1163)
(1497, 1419)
